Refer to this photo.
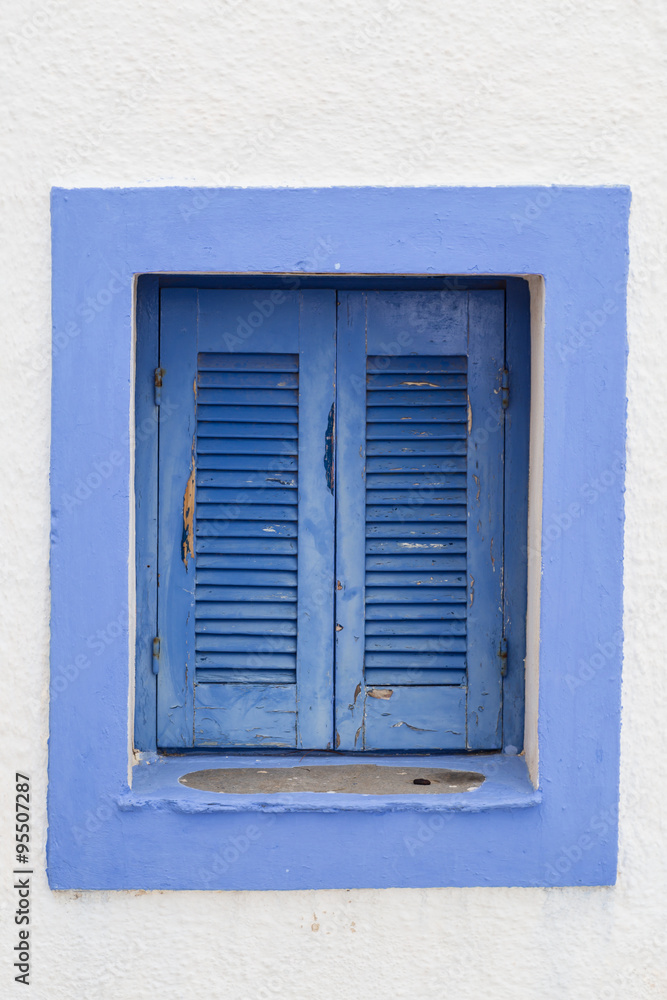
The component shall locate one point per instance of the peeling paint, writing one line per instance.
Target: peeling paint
(469, 417)
(417, 729)
(188, 542)
(384, 693)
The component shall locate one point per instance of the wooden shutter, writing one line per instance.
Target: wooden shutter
(420, 445)
(246, 519)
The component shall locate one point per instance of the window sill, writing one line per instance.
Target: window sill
(156, 785)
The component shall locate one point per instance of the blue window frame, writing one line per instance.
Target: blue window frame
(373, 417)
(117, 822)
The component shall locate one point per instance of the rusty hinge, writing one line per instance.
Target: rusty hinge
(158, 375)
(505, 386)
(156, 654)
(502, 656)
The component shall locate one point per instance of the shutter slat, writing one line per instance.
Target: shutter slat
(264, 396)
(414, 412)
(247, 380)
(383, 612)
(431, 365)
(432, 494)
(245, 594)
(214, 454)
(222, 430)
(209, 361)
(263, 512)
(453, 443)
(444, 511)
(248, 626)
(415, 643)
(246, 643)
(407, 660)
(421, 464)
(399, 628)
(257, 493)
(261, 414)
(232, 675)
(410, 431)
(415, 529)
(248, 546)
(246, 561)
(248, 660)
(419, 398)
(415, 546)
(243, 577)
(434, 380)
(245, 609)
(247, 529)
(390, 677)
(404, 578)
(415, 595)
(264, 478)
(408, 562)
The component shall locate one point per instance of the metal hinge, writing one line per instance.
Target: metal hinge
(156, 654)
(502, 656)
(158, 375)
(505, 386)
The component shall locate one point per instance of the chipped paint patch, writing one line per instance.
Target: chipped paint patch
(416, 729)
(188, 542)
(384, 693)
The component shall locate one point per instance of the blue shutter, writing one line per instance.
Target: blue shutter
(246, 519)
(420, 520)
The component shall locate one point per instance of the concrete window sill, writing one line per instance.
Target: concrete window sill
(502, 783)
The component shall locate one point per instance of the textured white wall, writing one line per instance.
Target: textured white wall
(342, 92)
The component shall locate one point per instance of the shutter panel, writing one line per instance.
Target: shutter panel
(420, 520)
(246, 520)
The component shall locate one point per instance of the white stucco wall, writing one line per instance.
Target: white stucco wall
(342, 92)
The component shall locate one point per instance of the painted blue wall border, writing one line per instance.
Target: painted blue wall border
(577, 239)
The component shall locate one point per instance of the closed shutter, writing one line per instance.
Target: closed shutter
(246, 519)
(420, 520)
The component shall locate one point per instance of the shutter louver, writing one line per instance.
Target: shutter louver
(416, 517)
(247, 513)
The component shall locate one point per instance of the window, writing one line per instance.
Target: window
(124, 820)
(332, 449)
